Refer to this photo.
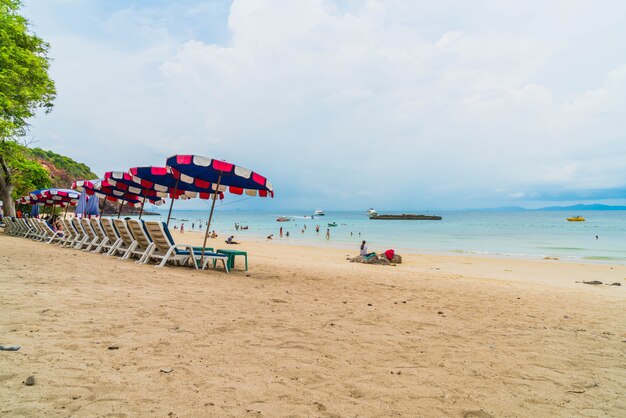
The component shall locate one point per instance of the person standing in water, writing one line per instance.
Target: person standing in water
(327, 233)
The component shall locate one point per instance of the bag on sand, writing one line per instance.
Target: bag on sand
(389, 254)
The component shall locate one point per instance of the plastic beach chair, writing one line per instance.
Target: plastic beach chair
(128, 244)
(144, 243)
(114, 239)
(165, 249)
(103, 239)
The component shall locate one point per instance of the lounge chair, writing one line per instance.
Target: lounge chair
(50, 235)
(72, 236)
(26, 229)
(34, 229)
(82, 238)
(165, 249)
(8, 229)
(134, 237)
(114, 239)
(93, 238)
(69, 233)
(103, 240)
(17, 229)
(31, 228)
(128, 241)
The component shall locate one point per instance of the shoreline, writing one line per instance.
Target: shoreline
(503, 268)
(342, 245)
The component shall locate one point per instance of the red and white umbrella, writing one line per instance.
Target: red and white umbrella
(216, 176)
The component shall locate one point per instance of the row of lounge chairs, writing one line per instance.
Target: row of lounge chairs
(145, 241)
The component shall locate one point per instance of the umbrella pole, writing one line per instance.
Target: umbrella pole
(141, 211)
(208, 225)
(66, 208)
(103, 203)
(120, 211)
(172, 202)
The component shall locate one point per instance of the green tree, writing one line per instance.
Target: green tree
(25, 86)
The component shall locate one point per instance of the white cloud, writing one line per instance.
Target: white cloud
(379, 103)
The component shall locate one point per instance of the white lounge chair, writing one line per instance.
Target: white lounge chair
(50, 235)
(115, 241)
(83, 239)
(103, 240)
(165, 249)
(128, 242)
(93, 238)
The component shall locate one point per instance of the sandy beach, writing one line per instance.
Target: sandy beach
(306, 333)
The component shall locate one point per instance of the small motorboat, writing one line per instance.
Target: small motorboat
(332, 224)
(283, 219)
(576, 219)
(371, 212)
(319, 212)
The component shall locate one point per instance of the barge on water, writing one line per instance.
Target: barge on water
(405, 217)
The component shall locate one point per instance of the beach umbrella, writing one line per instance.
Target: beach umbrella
(218, 176)
(49, 198)
(92, 208)
(62, 197)
(104, 190)
(165, 184)
(122, 180)
(82, 202)
(55, 197)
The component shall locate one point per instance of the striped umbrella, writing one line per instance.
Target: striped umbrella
(216, 176)
(104, 190)
(122, 180)
(165, 184)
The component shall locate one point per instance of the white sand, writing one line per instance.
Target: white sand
(296, 336)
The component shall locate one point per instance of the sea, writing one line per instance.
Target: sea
(521, 234)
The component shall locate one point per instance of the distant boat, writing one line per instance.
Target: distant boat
(576, 219)
(283, 219)
(332, 224)
(319, 212)
(407, 217)
(371, 212)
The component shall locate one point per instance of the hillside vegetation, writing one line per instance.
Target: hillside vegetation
(62, 170)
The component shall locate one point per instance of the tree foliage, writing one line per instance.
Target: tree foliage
(25, 84)
(28, 174)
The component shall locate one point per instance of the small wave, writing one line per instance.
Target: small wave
(601, 257)
(564, 248)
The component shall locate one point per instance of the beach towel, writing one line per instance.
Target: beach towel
(389, 254)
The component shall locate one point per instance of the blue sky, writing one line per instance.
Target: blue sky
(350, 104)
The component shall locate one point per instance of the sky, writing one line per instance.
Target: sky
(349, 104)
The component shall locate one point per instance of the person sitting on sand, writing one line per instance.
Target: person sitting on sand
(363, 248)
(364, 252)
(230, 240)
(213, 234)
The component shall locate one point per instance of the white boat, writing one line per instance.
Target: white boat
(319, 212)
(371, 212)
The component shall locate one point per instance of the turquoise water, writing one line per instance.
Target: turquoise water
(529, 234)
